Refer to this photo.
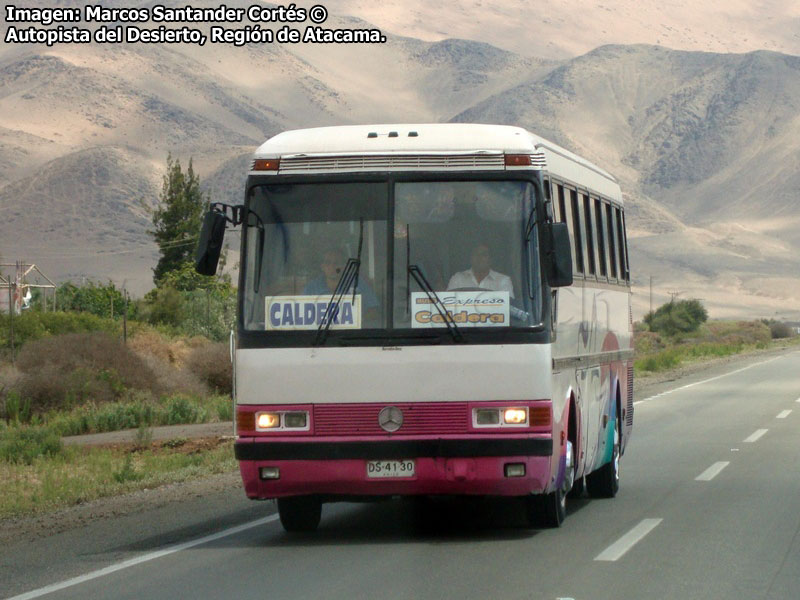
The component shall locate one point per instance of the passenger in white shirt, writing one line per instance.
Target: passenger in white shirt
(481, 274)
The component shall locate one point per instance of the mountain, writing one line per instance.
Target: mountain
(704, 144)
(559, 29)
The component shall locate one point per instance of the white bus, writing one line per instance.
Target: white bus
(428, 310)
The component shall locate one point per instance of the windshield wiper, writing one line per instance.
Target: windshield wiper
(419, 277)
(345, 281)
(358, 254)
(530, 224)
(348, 277)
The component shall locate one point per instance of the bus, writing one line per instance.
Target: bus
(427, 310)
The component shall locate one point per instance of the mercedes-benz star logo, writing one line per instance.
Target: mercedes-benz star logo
(390, 419)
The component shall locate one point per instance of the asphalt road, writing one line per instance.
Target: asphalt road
(709, 507)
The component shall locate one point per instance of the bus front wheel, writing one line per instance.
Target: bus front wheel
(546, 510)
(300, 513)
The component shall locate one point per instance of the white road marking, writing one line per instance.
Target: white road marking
(783, 414)
(712, 471)
(798, 400)
(616, 550)
(142, 559)
(756, 436)
(683, 387)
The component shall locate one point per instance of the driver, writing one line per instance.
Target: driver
(481, 275)
(332, 263)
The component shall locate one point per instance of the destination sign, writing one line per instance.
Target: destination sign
(309, 312)
(465, 309)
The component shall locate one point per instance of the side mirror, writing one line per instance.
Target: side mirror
(560, 273)
(210, 244)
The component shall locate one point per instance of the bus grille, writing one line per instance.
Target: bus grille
(392, 162)
(629, 416)
(418, 418)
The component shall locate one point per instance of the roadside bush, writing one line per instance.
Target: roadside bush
(647, 342)
(149, 342)
(212, 364)
(673, 318)
(744, 332)
(780, 330)
(95, 298)
(181, 409)
(66, 370)
(662, 361)
(15, 408)
(25, 444)
(32, 325)
(224, 407)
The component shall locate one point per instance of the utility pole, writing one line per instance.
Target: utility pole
(651, 294)
(673, 295)
(12, 284)
(125, 317)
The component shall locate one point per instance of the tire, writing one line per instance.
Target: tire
(300, 513)
(577, 488)
(550, 510)
(604, 483)
(546, 510)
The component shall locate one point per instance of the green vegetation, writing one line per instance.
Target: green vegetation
(74, 475)
(93, 298)
(26, 444)
(679, 333)
(177, 218)
(132, 414)
(673, 317)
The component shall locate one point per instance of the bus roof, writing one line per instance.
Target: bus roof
(437, 138)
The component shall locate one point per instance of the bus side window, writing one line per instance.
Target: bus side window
(577, 237)
(562, 209)
(599, 219)
(621, 239)
(612, 251)
(586, 223)
(567, 218)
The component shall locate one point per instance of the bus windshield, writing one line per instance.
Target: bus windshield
(466, 238)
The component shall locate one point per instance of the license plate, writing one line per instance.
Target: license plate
(390, 468)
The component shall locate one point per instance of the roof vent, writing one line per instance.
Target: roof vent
(372, 134)
(392, 134)
(413, 134)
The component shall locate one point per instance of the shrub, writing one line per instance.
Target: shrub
(16, 409)
(25, 444)
(62, 371)
(149, 342)
(780, 330)
(180, 410)
(127, 472)
(224, 407)
(647, 342)
(212, 364)
(32, 325)
(93, 298)
(673, 318)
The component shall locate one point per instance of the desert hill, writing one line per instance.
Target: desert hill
(705, 144)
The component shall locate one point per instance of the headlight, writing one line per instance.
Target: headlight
(501, 417)
(487, 416)
(515, 416)
(295, 420)
(268, 420)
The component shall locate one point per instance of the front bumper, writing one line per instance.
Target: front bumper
(443, 466)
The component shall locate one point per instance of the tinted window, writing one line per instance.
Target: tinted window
(576, 231)
(586, 218)
(601, 243)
